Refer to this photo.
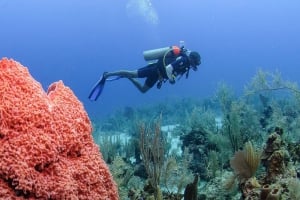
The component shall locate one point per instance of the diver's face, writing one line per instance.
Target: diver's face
(194, 64)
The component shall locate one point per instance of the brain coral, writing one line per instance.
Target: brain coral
(46, 147)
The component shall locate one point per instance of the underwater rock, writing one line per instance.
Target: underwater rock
(46, 146)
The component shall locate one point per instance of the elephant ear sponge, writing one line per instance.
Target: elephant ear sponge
(46, 146)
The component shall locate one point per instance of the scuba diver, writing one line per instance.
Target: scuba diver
(169, 63)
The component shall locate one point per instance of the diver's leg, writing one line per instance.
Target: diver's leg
(123, 73)
(142, 88)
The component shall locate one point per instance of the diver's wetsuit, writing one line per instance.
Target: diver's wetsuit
(156, 71)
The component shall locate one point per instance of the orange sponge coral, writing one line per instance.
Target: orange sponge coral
(46, 147)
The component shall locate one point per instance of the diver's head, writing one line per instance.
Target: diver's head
(195, 59)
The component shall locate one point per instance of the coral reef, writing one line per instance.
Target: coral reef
(245, 163)
(213, 132)
(198, 144)
(46, 146)
(275, 156)
(275, 183)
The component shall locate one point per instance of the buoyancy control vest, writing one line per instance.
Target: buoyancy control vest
(163, 57)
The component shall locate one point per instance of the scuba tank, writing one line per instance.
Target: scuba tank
(155, 54)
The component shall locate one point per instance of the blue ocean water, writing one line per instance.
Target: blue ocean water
(75, 41)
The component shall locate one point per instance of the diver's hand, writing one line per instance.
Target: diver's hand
(172, 81)
(170, 74)
(169, 71)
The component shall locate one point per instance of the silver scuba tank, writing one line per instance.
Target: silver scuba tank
(154, 54)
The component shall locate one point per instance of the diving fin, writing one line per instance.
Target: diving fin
(97, 89)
